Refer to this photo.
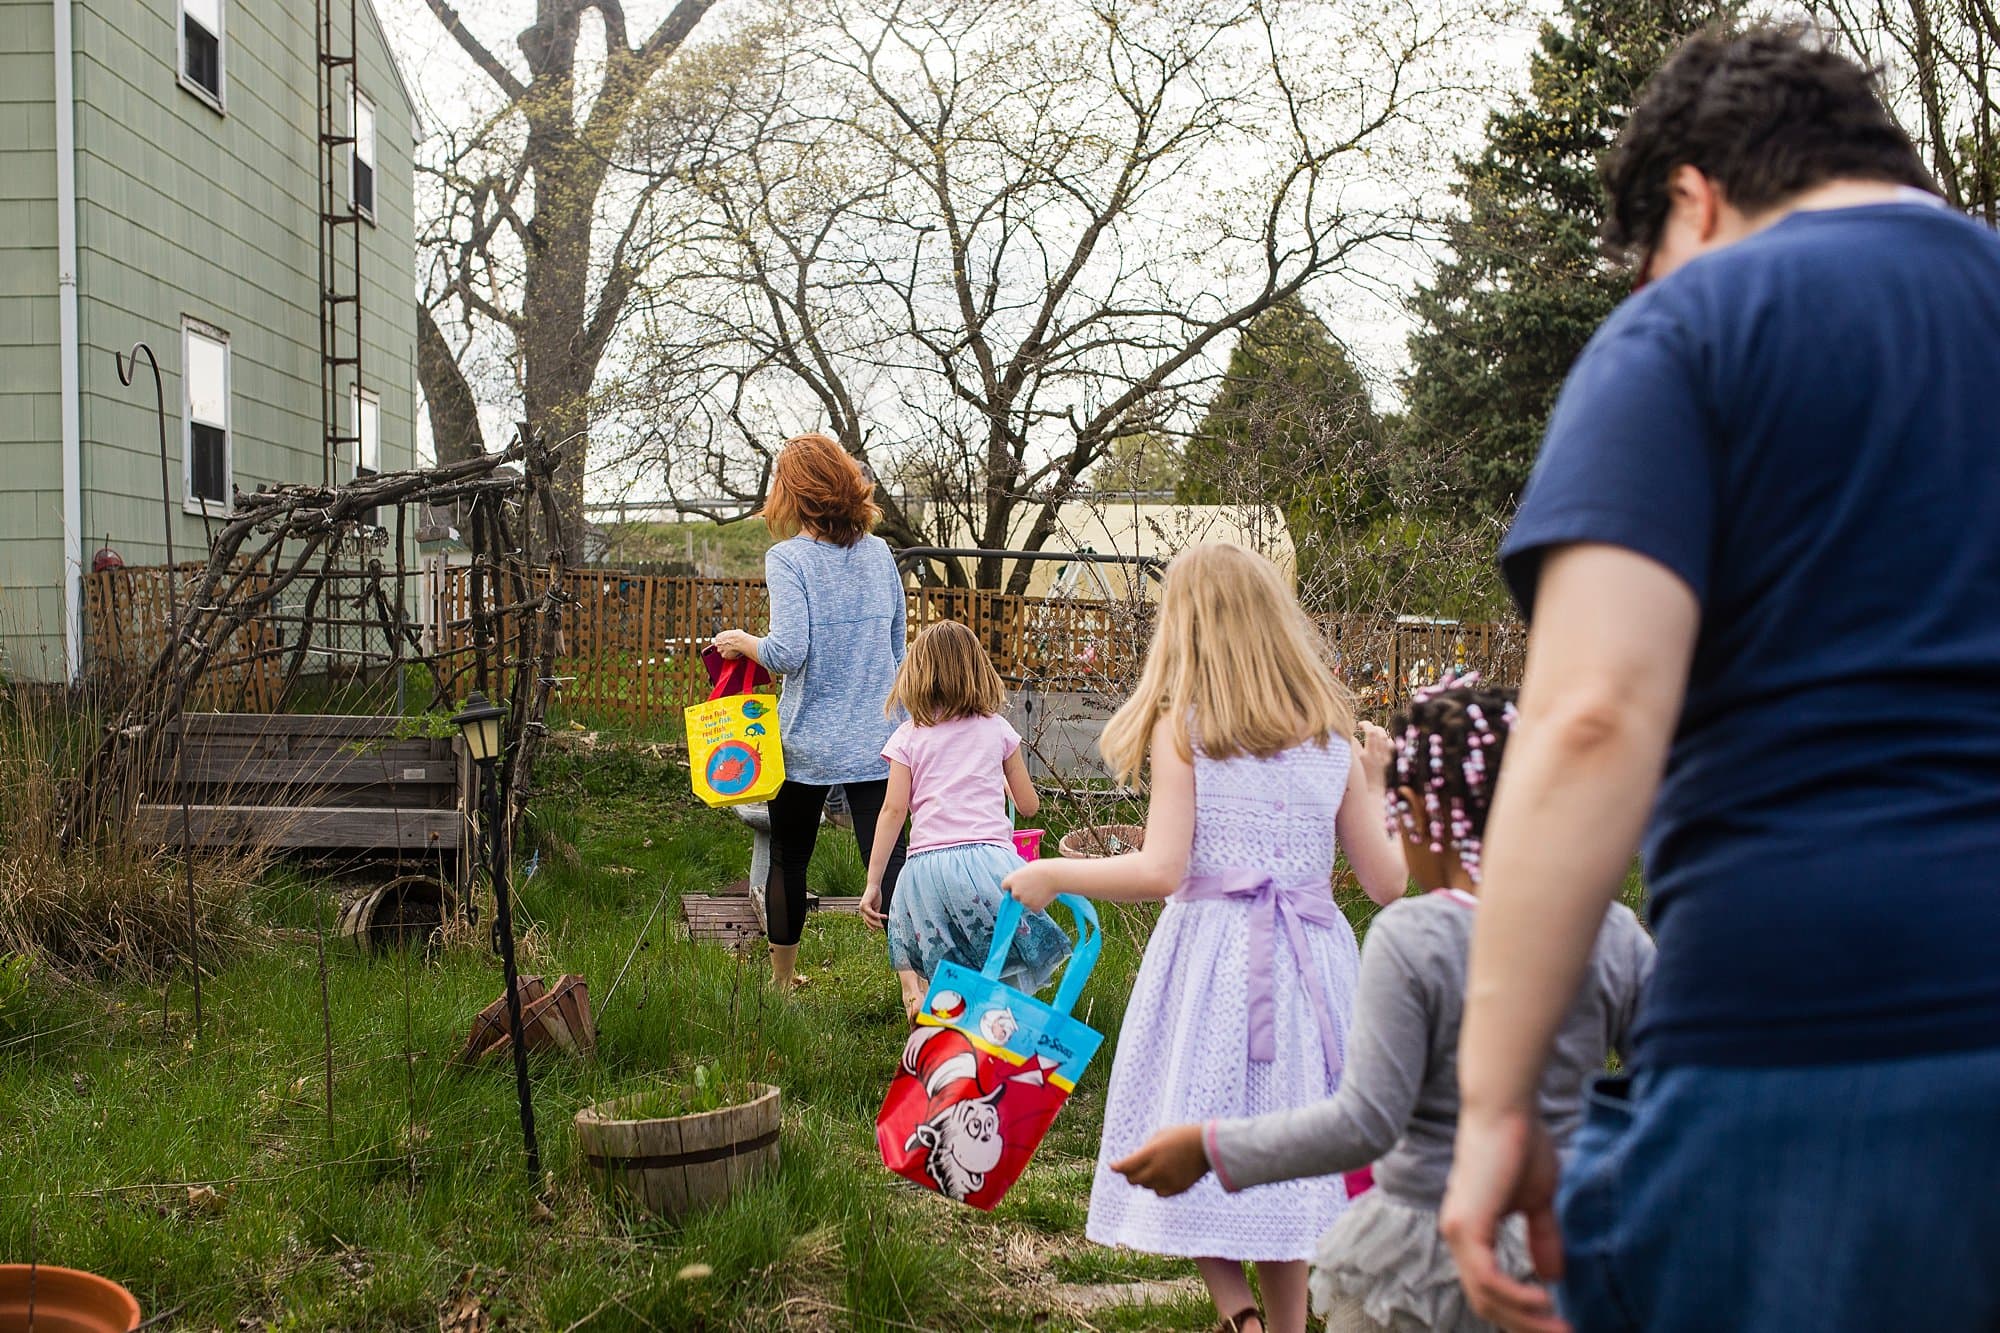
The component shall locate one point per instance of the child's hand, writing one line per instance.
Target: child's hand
(871, 907)
(1373, 755)
(1034, 884)
(1169, 1163)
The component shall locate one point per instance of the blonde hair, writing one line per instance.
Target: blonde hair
(815, 483)
(1234, 658)
(946, 675)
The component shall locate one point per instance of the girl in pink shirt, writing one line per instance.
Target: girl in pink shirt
(952, 766)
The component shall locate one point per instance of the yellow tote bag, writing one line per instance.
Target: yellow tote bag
(733, 753)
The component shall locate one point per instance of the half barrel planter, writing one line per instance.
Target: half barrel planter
(674, 1164)
(1100, 840)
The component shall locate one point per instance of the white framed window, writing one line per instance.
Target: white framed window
(206, 463)
(201, 49)
(364, 413)
(361, 154)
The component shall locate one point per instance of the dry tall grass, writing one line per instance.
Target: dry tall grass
(108, 907)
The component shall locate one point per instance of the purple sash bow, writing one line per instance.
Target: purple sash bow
(1297, 905)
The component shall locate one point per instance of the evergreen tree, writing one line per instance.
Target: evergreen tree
(1140, 462)
(1500, 324)
(1292, 425)
(1292, 410)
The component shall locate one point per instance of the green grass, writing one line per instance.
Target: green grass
(731, 550)
(415, 1192)
(416, 1189)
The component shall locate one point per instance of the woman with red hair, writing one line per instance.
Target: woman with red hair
(836, 640)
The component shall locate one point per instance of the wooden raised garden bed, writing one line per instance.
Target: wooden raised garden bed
(315, 783)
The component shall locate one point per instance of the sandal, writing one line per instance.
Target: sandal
(1240, 1322)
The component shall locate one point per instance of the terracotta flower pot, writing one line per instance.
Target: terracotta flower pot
(64, 1300)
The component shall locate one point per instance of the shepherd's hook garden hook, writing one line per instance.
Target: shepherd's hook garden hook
(126, 370)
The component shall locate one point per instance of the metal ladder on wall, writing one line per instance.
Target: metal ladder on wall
(339, 220)
(335, 35)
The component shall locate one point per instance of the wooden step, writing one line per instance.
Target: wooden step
(732, 918)
(300, 827)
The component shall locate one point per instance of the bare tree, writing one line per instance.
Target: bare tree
(543, 225)
(1936, 57)
(979, 242)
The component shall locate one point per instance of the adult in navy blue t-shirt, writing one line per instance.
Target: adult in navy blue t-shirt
(1805, 429)
(1761, 553)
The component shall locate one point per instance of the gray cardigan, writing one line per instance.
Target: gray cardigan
(1397, 1105)
(836, 640)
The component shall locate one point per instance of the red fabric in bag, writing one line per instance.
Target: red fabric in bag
(731, 675)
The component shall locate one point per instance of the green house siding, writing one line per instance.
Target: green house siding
(184, 212)
(30, 426)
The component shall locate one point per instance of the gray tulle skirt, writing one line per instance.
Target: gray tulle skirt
(945, 904)
(1383, 1266)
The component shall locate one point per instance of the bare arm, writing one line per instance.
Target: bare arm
(1607, 669)
(740, 643)
(1021, 787)
(1155, 871)
(1376, 857)
(888, 829)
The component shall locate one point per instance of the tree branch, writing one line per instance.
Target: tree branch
(485, 59)
(454, 411)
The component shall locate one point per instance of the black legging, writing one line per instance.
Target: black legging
(795, 813)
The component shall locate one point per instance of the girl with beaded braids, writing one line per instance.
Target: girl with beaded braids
(1448, 749)
(1382, 1267)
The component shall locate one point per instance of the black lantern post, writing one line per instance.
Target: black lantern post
(480, 724)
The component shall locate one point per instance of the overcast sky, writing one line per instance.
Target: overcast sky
(1364, 310)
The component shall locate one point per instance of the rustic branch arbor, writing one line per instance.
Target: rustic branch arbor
(283, 592)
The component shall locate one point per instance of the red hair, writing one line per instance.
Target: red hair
(817, 484)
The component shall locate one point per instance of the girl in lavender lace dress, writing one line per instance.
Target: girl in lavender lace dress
(1241, 1005)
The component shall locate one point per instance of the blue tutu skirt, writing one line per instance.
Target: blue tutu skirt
(943, 911)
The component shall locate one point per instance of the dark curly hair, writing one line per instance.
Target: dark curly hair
(1448, 750)
(1765, 113)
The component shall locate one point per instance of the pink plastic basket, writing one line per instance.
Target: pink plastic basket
(1028, 843)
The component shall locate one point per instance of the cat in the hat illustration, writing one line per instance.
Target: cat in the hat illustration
(960, 1132)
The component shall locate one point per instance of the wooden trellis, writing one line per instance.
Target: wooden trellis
(631, 643)
(302, 580)
(1383, 661)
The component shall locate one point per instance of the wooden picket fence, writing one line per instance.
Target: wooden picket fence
(630, 652)
(631, 644)
(126, 613)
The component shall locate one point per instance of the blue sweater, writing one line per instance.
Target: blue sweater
(836, 640)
